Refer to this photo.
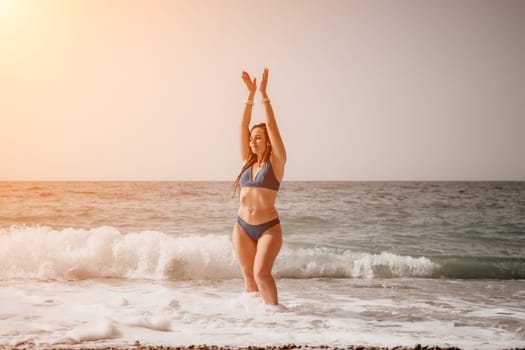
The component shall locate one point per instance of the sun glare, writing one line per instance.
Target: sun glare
(5, 6)
(7, 13)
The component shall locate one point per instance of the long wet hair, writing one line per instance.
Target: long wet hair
(252, 159)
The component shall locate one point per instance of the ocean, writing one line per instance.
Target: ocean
(363, 263)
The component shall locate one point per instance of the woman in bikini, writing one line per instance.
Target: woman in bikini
(257, 236)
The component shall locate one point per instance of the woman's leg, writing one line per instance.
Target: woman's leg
(245, 249)
(268, 247)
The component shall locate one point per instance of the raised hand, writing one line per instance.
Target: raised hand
(264, 82)
(251, 85)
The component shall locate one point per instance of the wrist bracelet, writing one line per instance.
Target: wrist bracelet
(249, 102)
(265, 100)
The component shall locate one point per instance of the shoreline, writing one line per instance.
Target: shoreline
(138, 346)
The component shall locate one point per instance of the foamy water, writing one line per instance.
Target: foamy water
(72, 254)
(338, 312)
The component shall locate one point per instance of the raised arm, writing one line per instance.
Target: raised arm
(278, 150)
(247, 116)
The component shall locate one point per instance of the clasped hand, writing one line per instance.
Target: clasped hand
(252, 84)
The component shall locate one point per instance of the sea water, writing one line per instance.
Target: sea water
(369, 263)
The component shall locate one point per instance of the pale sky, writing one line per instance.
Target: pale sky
(362, 90)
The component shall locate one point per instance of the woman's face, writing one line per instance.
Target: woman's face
(258, 141)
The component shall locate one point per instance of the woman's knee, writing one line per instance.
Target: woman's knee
(262, 276)
(247, 272)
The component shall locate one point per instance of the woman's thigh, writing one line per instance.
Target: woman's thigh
(245, 248)
(268, 246)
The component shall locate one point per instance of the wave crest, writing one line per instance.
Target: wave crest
(338, 263)
(104, 252)
(72, 254)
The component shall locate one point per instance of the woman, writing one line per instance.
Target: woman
(257, 236)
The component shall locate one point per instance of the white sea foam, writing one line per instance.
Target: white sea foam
(101, 330)
(330, 262)
(74, 254)
(338, 312)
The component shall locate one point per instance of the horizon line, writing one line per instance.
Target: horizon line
(292, 180)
